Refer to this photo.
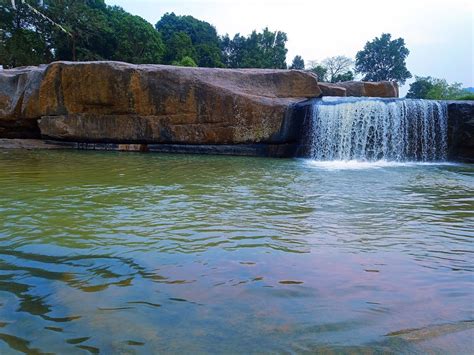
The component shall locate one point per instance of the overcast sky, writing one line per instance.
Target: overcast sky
(438, 33)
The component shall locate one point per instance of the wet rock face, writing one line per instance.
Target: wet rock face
(461, 130)
(120, 102)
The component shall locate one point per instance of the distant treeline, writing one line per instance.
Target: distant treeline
(45, 31)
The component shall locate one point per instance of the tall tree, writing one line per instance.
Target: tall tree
(383, 59)
(178, 47)
(338, 68)
(135, 40)
(264, 49)
(203, 38)
(297, 63)
(91, 36)
(22, 37)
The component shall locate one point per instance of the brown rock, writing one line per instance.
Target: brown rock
(120, 102)
(370, 89)
(330, 89)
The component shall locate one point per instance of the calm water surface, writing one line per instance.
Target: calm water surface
(139, 253)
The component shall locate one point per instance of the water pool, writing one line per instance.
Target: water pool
(138, 253)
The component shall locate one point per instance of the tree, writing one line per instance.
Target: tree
(338, 68)
(203, 37)
(185, 62)
(383, 59)
(74, 30)
(22, 37)
(91, 36)
(420, 88)
(347, 76)
(135, 40)
(178, 47)
(264, 49)
(435, 89)
(318, 69)
(298, 63)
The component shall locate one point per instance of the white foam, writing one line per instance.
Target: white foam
(359, 165)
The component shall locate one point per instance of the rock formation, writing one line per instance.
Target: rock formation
(120, 102)
(115, 105)
(360, 89)
(461, 130)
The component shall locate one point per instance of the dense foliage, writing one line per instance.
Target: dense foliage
(75, 30)
(437, 89)
(185, 36)
(383, 59)
(259, 50)
(297, 63)
(44, 31)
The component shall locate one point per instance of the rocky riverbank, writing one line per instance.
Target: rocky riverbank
(121, 106)
(120, 103)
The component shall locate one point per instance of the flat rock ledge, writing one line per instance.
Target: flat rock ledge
(30, 144)
(255, 150)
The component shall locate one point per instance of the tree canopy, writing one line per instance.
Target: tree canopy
(35, 32)
(43, 31)
(338, 68)
(201, 41)
(75, 30)
(436, 89)
(264, 49)
(297, 63)
(383, 59)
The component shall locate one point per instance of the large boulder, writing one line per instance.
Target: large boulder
(19, 89)
(330, 89)
(362, 88)
(120, 102)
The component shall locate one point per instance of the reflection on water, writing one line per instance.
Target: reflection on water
(110, 252)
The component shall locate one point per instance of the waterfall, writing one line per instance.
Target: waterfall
(378, 129)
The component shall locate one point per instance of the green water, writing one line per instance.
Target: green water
(145, 253)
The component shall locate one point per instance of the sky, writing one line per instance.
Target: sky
(438, 33)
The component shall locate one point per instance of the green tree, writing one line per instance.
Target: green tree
(185, 62)
(420, 88)
(347, 76)
(22, 37)
(435, 89)
(297, 63)
(42, 31)
(264, 49)
(203, 36)
(135, 40)
(383, 59)
(178, 47)
(91, 36)
(318, 69)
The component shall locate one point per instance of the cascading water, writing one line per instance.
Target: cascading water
(378, 129)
